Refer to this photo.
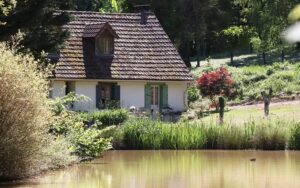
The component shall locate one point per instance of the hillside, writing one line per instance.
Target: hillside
(251, 77)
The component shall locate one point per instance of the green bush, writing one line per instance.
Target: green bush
(86, 140)
(270, 71)
(24, 117)
(106, 118)
(193, 94)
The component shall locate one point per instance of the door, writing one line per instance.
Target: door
(155, 100)
(107, 95)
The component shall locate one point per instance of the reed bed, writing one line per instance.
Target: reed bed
(148, 134)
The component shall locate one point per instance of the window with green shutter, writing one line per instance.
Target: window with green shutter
(148, 96)
(115, 92)
(163, 96)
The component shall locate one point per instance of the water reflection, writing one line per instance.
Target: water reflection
(179, 169)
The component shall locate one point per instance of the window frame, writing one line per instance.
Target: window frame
(104, 45)
(155, 95)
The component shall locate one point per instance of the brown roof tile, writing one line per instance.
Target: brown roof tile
(142, 51)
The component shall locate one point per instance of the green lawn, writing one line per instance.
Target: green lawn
(278, 111)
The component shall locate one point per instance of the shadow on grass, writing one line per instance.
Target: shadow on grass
(212, 112)
(292, 57)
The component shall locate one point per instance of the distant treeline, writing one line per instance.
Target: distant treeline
(198, 28)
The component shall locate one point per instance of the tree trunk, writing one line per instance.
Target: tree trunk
(198, 61)
(231, 58)
(266, 107)
(282, 56)
(264, 58)
(198, 53)
(267, 101)
(298, 46)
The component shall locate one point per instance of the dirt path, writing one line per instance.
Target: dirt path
(273, 104)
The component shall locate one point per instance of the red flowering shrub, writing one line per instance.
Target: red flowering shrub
(218, 82)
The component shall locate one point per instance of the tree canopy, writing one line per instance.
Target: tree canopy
(197, 27)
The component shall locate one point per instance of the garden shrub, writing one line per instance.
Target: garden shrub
(218, 82)
(193, 94)
(59, 150)
(87, 143)
(24, 115)
(86, 140)
(270, 71)
(108, 117)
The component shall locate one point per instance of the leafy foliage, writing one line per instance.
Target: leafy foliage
(251, 80)
(218, 82)
(269, 18)
(193, 94)
(192, 25)
(25, 145)
(237, 36)
(86, 140)
(36, 19)
(106, 118)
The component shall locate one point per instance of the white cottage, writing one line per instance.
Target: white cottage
(125, 57)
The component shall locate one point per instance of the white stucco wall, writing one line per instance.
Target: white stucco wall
(88, 89)
(131, 94)
(177, 95)
(58, 89)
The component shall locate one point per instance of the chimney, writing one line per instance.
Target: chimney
(144, 10)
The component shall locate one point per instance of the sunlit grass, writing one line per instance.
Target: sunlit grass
(240, 115)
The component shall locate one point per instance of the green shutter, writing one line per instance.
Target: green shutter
(115, 92)
(148, 96)
(163, 102)
(98, 96)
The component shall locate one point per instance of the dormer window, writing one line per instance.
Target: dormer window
(104, 45)
(102, 35)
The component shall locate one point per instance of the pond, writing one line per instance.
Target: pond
(178, 169)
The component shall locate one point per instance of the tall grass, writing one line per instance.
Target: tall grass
(294, 140)
(148, 134)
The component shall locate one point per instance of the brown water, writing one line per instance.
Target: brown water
(178, 169)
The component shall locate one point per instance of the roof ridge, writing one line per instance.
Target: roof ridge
(101, 13)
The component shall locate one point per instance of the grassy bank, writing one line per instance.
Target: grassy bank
(237, 115)
(147, 134)
(250, 80)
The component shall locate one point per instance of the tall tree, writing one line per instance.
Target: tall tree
(192, 24)
(99, 5)
(88, 5)
(38, 21)
(269, 18)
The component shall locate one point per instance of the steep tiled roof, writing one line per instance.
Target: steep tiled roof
(142, 51)
(92, 30)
